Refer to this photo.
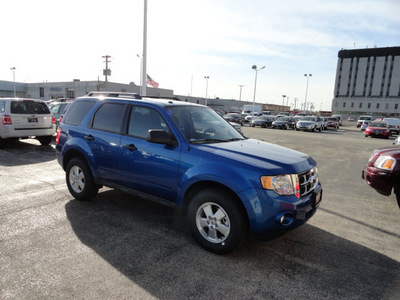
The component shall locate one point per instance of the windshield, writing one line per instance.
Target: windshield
(308, 119)
(331, 119)
(283, 119)
(384, 125)
(203, 125)
(365, 118)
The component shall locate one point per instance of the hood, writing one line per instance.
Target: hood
(267, 157)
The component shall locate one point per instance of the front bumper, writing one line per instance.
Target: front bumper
(382, 181)
(269, 211)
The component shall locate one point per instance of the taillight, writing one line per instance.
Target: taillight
(6, 120)
(53, 120)
(58, 134)
(61, 119)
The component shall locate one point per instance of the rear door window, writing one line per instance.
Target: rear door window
(77, 112)
(29, 107)
(109, 117)
(2, 106)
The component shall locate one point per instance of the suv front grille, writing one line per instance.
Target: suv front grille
(308, 181)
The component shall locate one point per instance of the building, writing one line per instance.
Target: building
(77, 88)
(368, 82)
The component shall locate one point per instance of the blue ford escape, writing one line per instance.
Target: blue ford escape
(186, 155)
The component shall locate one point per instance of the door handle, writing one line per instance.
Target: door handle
(89, 137)
(130, 147)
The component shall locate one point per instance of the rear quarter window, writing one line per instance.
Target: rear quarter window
(77, 112)
(2, 106)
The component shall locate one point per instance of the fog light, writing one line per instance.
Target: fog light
(285, 219)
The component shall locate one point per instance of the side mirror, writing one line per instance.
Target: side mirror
(159, 136)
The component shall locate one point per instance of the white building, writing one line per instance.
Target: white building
(368, 82)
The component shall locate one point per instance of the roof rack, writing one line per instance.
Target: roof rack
(114, 94)
(161, 97)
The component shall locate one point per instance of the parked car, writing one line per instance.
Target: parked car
(324, 123)
(250, 117)
(364, 125)
(284, 123)
(262, 121)
(58, 109)
(26, 118)
(397, 141)
(339, 118)
(234, 117)
(382, 171)
(309, 123)
(377, 129)
(237, 126)
(351, 119)
(394, 124)
(186, 155)
(361, 120)
(332, 122)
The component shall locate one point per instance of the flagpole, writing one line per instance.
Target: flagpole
(144, 56)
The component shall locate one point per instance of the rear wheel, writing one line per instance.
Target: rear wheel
(217, 221)
(80, 181)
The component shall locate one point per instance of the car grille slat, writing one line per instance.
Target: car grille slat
(308, 181)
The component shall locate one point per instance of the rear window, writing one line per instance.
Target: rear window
(77, 112)
(29, 107)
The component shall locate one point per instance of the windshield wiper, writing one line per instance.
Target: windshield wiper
(201, 141)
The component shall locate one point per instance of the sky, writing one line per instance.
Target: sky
(52, 41)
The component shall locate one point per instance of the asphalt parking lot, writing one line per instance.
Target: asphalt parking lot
(120, 247)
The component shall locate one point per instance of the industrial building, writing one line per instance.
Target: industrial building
(368, 82)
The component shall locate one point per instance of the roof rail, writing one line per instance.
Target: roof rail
(161, 97)
(114, 94)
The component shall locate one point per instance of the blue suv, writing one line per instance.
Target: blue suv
(186, 155)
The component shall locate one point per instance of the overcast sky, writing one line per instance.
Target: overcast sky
(187, 40)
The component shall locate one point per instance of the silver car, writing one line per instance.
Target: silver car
(26, 118)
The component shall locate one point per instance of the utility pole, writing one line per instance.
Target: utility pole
(107, 71)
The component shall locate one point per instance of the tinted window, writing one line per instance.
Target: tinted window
(109, 117)
(77, 112)
(143, 119)
(29, 107)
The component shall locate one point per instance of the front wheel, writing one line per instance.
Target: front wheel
(80, 181)
(217, 221)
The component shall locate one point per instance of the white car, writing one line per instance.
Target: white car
(309, 123)
(26, 118)
(394, 124)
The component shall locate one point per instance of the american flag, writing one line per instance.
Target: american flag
(151, 82)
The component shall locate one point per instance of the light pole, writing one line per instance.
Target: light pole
(305, 100)
(206, 77)
(254, 67)
(240, 94)
(140, 73)
(15, 91)
(283, 100)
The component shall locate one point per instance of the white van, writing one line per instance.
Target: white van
(361, 120)
(394, 124)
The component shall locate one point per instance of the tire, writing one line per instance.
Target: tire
(314, 129)
(45, 140)
(320, 129)
(286, 126)
(80, 180)
(217, 221)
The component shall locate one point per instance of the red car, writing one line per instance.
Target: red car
(378, 129)
(332, 122)
(383, 171)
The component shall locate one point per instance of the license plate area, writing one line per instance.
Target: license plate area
(316, 198)
(32, 120)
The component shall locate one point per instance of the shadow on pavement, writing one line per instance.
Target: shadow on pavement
(150, 245)
(26, 152)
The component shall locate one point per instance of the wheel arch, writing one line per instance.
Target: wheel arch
(198, 186)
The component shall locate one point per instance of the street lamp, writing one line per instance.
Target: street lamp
(15, 91)
(254, 67)
(206, 77)
(305, 100)
(140, 73)
(283, 100)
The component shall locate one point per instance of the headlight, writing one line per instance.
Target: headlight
(282, 184)
(385, 162)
